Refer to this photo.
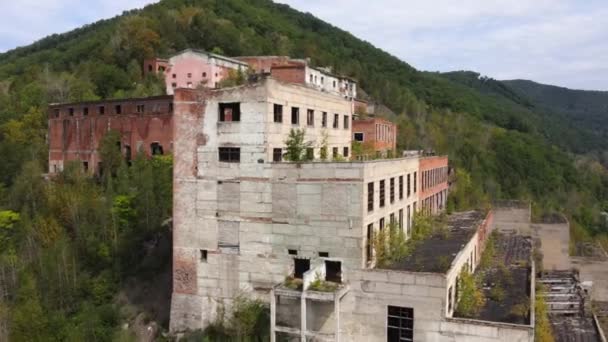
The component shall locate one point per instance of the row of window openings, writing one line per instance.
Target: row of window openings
(310, 117)
(233, 154)
(204, 74)
(155, 149)
(101, 110)
(433, 177)
(469, 266)
(277, 153)
(382, 194)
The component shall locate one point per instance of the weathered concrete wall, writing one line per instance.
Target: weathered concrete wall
(465, 330)
(75, 130)
(364, 308)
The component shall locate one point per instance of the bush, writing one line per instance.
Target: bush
(471, 297)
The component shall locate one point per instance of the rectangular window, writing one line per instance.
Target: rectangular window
(381, 224)
(85, 111)
(230, 112)
(117, 109)
(101, 110)
(174, 85)
(346, 121)
(310, 117)
(400, 324)
(336, 119)
(345, 152)
(295, 115)
(189, 75)
(415, 182)
(230, 154)
(381, 193)
(140, 108)
(358, 136)
(400, 187)
(392, 190)
(277, 155)
(391, 220)
(71, 111)
(409, 188)
(335, 152)
(156, 149)
(324, 119)
(278, 113)
(310, 153)
(409, 218)
(85, 166)
(56, 113)
(369, 243)
(370, 196)
(401, 219)
(203, 254)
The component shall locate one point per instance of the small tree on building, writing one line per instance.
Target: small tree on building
(296, 145)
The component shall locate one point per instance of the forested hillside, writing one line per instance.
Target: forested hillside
(68, 247)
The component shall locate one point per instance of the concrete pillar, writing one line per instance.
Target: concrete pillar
(303, 318)
(273, 316)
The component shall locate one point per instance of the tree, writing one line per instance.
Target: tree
(296, 145)
(470, 296)
(111, 154)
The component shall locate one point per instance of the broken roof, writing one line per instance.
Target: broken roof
(436, 253)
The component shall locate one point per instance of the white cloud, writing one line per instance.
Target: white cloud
(26, 21)
(552, 41)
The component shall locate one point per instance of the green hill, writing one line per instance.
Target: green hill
(75, 242)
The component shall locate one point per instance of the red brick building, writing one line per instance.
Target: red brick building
(75, 130)
(376, 133)
(433, 178)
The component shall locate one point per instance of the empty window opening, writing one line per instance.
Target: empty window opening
(382, 193)
(333, 271)
(400, 187)
(150, 68)
(336, 119)
(295, 115)
(140, 108)
(174, 76)
(189, 75)
(174, 85)
(161, 68)
(292, 252)
(450, 300)
(346, 121)
(409, 192)
(400, 324)
(230, 154)
(171, 107)
(118, 109)
(324, 254)
(335, 152)
(71, 111)
(401, 220)
(230, 111)
(310, 117)
(203, 255)
(101, 110)
(156, 149)
(415, 182)
(324, 119)
(85, 111)
(369, 244)
(56, 112)
(277, 155)
(300, 266)
(204, 74)
(345, 152)
(85, 166)
(358, 136)
(370, 196)
(392, 190)
(310, 153)
(381, 224)
(128, 154)
(278, 113)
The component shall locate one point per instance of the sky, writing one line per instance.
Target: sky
(560, 42)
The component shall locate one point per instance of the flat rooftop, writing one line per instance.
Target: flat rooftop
(506, 280)
(437, 252)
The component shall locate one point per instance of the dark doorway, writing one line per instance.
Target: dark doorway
(333, 271)
(300, 266)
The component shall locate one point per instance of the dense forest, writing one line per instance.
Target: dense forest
(71, 248)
